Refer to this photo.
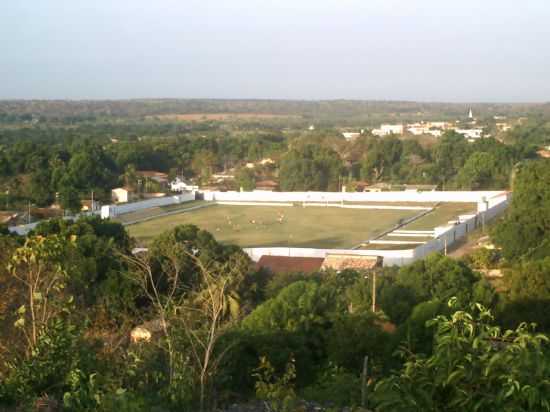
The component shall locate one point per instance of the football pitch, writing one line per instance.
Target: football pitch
(296, 226)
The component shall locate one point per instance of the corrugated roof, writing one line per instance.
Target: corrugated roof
(285, 264)
(348, 261)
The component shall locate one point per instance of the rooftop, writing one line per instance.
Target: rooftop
(348, 261)
(285, 264)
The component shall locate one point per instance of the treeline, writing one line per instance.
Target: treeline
(451, 163)
(68, 112)
(47, 165)
(65, 164)
(193, 324)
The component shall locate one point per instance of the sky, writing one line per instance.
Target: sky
(421, 50)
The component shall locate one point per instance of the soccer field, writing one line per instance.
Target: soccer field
(256, 226)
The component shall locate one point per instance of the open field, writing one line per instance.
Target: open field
(256, 226)
(441, 215)
(155, 211)
(203, 117)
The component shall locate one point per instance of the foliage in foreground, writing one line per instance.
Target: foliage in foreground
(475, 366)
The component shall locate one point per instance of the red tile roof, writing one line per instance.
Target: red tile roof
(151, 173)
(267, 183)
(285, 264)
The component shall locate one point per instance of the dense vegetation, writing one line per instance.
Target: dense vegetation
(224, 331)
(194, 325)
(53, 162)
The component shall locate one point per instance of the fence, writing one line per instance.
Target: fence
(490, 204)
(391, 257)
(115, 210)
(489, 197)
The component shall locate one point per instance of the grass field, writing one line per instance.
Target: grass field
(255, 226)
(441, 215)
(155, 211)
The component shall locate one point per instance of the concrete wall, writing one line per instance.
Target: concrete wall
(116, 210)
(391, 257)
(401, 196)
(451, 234)
(491, 203)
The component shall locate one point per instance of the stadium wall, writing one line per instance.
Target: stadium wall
(391, 257)
(108, 211)
(489, 197)
(490, 204)
(446, 236)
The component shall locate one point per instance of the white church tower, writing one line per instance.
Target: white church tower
(470, 114)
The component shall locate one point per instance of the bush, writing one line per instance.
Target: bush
(335, 387)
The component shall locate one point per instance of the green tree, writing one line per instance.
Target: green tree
(438, 277)
(246, 179)
(37, 265)
(382, 159)
(40, 190)
(69, 199)
(449, 155)
(474, 366)
(204, 164)
(478, 172)
(298, 307)
(310, 167)
(525, 230)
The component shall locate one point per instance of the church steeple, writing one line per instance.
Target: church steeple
(470, 114)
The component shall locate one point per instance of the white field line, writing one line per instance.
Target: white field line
(418, 232)
(285, 204)
(395, 227)
(171, 212)
(375, 207)
(394, 234)
(395, 242)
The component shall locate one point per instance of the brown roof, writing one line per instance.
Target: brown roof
(267, 183)
(285, 264)
(151, 173)
(345, 261)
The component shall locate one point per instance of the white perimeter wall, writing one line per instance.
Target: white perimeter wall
(115, 210)
(402, 196)
(490, 204)
(391, 257)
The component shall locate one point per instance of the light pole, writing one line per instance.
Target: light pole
(374, 291)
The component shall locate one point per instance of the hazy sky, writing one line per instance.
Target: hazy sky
(434, 50)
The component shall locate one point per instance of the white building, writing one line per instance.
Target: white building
(387, 129)
(121, 194)
(418, 129)
(438, 125)
(178, 185)
(470, 133)
(351, 135)
(503, 127)
(267, 161)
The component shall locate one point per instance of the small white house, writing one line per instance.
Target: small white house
(388, 129)
(351, 135)
(267, 161)
(121, 194)
(178, 185)
(470, 133)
